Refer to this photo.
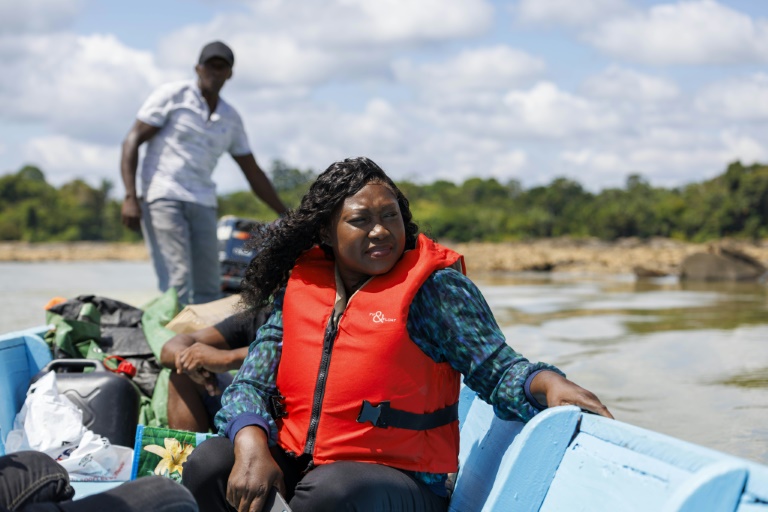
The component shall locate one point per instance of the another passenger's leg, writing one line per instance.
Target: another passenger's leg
(31, 477)
(186, 410)
(155, 493)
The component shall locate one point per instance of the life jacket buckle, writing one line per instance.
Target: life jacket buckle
(384, 416)
(369, 412)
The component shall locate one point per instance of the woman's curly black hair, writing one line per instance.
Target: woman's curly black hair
(281, 243)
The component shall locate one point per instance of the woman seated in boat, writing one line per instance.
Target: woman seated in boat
(348, 398)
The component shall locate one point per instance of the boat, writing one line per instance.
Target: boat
(563, 460)
(232, 234)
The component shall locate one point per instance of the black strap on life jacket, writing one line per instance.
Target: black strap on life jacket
(384, 416)
(276, 406)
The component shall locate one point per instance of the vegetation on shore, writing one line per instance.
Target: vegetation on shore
(734, 204)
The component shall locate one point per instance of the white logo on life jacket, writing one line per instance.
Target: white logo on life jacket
(379, 318)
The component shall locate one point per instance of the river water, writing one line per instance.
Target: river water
(687, 360)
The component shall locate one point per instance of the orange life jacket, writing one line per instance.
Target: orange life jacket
(327, 374)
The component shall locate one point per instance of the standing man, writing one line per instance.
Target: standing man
(188, 126)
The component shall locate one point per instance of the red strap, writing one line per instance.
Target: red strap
(124, 367)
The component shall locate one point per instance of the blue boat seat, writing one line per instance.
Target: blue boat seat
(22, 355)
(566, 460)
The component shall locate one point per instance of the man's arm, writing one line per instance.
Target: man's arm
(177, 344)
(129, 160)
(205, 349)
(259, 182)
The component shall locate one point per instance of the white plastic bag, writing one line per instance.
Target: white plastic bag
(95, 458)
(49, 422)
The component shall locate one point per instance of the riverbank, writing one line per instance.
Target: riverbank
(72, 251)
(655, 256)
(658, 256)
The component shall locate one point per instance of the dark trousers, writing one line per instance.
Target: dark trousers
(33, 482)
(350, 486)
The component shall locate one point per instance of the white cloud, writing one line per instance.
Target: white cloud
(743, 147)
(743, 98)
(504, 165)
(492, 68)
(626, 84)
(420, 144)
(665, 157)
(592, 158)
(279, 60)
(547, 111)
(662, 166)
(666, 164)
(284, 42)
(85, 85)
(313, 135)
(37, 16)
(264, 59)
(426, 20)
(379, 122)
(457, 155)
(382, 22)
(687, 32)
(377, 129)
(64, 159)
(569, 12)
(428, 90)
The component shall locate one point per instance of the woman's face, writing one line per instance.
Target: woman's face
(367, 234)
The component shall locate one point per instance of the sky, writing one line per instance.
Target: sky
(526, 90)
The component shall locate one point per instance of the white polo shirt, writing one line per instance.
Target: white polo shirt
(181, 157)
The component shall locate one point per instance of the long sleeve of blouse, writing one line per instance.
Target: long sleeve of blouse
(449, 320)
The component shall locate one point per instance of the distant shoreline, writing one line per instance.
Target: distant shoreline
(657, 255)
(72, 251)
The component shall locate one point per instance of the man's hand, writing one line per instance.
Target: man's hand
(200, 355)
(203, 357)
(131, 213)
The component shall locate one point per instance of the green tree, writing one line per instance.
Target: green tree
(732, 204)
(31, 173)
(285, 178)
(290, 183)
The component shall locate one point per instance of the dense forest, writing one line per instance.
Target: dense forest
(734, 204)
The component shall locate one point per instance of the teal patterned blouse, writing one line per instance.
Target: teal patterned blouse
(449, 320)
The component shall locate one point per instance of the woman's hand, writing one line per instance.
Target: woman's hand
(255, 471)
(553, 389)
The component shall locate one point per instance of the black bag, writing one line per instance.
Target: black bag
(93, 327)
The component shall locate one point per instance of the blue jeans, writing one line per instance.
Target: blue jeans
(181, 239)
(33, 482)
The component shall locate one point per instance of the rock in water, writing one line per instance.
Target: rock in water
(721, 264)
